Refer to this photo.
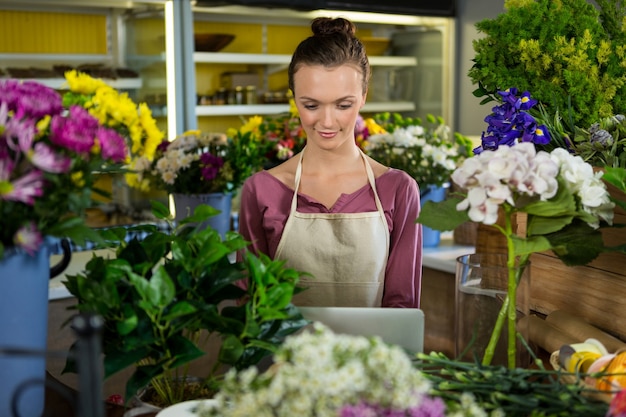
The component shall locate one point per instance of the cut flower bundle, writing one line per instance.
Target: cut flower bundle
(197, 162)
(52, 146)
(323, 374)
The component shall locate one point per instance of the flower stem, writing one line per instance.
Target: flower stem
(508, 310)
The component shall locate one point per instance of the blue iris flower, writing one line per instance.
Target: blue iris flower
(510, 123)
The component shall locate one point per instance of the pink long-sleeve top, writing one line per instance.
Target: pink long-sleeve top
(265, 205)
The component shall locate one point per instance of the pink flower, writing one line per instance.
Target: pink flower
(30, 99)
(112, 144)
(28, 238)
(24, 189)
(617, 407)
(44, 158)
(77, 132)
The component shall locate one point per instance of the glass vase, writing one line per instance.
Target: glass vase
(480, 292)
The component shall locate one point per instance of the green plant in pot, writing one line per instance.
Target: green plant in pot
(159, 295)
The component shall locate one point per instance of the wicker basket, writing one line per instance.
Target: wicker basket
(569, 378)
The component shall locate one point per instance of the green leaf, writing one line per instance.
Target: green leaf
(540, 225)
(160, 210)
(530, 245)
(577, 243)
(615, 176)
(116, 361)
(180, 309)
(231, 350)
(562, 204)
(443, 215)
(129, 321)
(183, 350)
(162, 290)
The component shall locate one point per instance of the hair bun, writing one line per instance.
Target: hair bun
(325, 26)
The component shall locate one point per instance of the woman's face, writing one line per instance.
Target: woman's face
(329, 101)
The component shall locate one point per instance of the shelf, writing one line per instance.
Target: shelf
(269, 59)
(61, 83)
(259, 109)
(62, 58)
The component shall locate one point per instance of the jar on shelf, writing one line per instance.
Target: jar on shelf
(250, 95)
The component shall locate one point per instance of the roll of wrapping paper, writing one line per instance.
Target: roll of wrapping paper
(581, 330)
(545, 335)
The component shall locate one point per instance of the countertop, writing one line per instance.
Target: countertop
(441, 258)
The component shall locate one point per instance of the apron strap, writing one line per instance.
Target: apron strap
(370, 178)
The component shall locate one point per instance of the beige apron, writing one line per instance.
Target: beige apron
(346, 253)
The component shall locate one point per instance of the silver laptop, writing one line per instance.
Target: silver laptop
(397, 326)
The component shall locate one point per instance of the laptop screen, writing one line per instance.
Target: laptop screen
(397, 326)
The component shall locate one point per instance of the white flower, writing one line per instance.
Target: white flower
(513, 173)
(316, 373)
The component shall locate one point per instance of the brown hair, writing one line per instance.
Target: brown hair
(333, 44)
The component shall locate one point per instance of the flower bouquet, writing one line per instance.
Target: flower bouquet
(320, 373)
(118, 111)
(280, 137)
(199, 163)
(564, 200)
(51, 147)
(429, 153)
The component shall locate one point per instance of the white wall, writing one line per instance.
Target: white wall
(469, 114)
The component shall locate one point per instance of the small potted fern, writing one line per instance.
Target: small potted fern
(159, 295)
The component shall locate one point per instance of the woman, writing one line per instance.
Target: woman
(331, 210)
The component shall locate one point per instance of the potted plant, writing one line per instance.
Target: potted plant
(201, 168)
(51, 148)
(159, 295)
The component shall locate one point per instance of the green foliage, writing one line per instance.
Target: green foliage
(159, 294)
(560, 52)
(603, 144)
(517, 392)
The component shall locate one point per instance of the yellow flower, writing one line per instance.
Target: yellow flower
(78, 179)
(118, 111)
(374, 128)
(83, 83)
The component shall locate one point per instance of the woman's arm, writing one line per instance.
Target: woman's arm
(251, 217)
(403, 276)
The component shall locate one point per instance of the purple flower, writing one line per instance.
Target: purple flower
(77, 132)
(112, 144)
(163, 146)
(28, 238)
(24, 189)
(30, 99)
(428, 407)
(44, 158)
(509, 123)
(18, 134)
(211, 165)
